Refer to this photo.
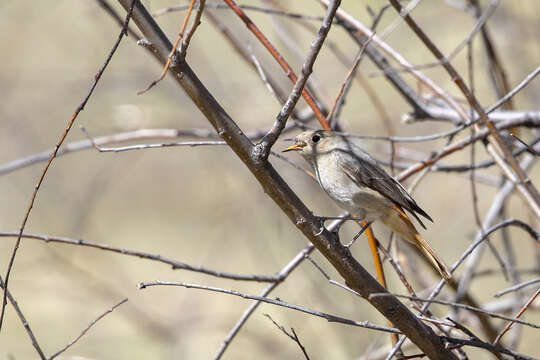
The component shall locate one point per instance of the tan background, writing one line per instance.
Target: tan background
(200, 205)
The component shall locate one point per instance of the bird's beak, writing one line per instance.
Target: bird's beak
(297, 147)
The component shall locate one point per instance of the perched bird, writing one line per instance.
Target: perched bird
(353, 179)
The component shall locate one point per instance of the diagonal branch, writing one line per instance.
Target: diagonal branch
(23, 320)
(523, 183)
(276, 188)
(284, 65)
(307, 68)
(277, 302)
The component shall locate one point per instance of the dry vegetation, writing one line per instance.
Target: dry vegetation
(145, 226)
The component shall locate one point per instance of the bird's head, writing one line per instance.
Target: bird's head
(312, 142)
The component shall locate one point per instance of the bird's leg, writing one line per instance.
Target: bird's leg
(323, 219)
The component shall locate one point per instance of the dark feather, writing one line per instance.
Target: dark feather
(363, 170)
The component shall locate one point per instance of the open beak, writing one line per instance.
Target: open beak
(297, 147)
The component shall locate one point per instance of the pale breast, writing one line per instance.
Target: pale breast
(359, 200)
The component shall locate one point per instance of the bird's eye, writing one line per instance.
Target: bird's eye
(315, 138)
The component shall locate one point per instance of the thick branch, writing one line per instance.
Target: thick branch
(340, 257)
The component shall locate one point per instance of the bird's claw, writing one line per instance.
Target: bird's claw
(322, 220)
(321, 223)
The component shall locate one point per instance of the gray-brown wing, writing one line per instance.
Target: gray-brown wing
(364, 171)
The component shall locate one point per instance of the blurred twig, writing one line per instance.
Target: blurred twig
(97, 77)
(307, 68)
(146, 134)
(23, 320)
(289, 72)
(268, 11)
(516, 174)
(518, 315)
(517, 287)
(356, 276)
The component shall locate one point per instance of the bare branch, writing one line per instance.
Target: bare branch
(292, 336)
(517, 287)
(307, 68)
(172, 54)
(328, 317)
(462, 306)
(268, 11)
(284, 65)
(85, 330)
(283, 274)
(23, 320)
(488, 346)
(524, 184)
(69, 125)
(512, 322)
(176, 265)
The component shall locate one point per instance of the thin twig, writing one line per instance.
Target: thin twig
(307, 68)
(268, 11)
(97, 77)
(514, 91)
(149, 146)
(172, 52)
(284, 65)
(187, 38)
(528, 147)
(461, 306)
(517, 287)
(342, 92)
(527, 189)
(328, 317)
(292, 336)
(487, 346)
(176, 265)
(518, 315)
(23, 320)
(85, 330)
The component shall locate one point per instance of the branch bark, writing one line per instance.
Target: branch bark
(327, 243)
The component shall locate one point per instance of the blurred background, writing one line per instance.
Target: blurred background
(201, 205)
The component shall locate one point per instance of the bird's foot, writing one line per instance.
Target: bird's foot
(335, 230)
(322, 227)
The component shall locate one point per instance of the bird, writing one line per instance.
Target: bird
(359, 185)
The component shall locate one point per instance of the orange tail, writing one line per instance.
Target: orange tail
(399, 222)
(432, 257)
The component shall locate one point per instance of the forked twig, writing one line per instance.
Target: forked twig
(173, 50)
(292, 336)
